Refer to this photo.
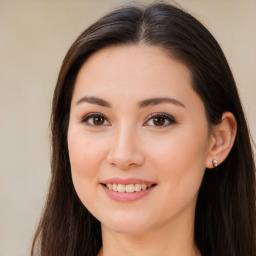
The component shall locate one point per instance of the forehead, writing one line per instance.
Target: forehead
(140, 68)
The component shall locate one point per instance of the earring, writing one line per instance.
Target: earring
(214, 163)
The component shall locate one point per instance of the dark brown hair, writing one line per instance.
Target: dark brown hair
(225, 211)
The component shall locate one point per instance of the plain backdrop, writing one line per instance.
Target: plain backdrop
(34, 37)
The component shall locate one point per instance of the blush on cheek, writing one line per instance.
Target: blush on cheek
(168, 155)
(83, 166)
(84, 161)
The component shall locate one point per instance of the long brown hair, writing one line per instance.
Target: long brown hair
(225, 212)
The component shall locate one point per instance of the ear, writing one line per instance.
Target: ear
(222, 139)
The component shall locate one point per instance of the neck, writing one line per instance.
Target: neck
(177, 239)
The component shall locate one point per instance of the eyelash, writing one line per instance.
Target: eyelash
(163, 116)
(91, 116)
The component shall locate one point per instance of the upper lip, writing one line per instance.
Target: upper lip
(126, 181)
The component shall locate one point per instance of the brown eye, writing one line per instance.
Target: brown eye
(159, 121)
(98, 120)
(95, 119)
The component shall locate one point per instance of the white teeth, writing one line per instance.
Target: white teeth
(110, 186)
(130, 188)
(121, 188)
(137, 187)
(114, 187)
(143, 186)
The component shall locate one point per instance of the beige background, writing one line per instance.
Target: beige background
(34, 37)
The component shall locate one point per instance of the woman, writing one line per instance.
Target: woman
(150, 149)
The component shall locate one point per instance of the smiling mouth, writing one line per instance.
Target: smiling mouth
(129, 188)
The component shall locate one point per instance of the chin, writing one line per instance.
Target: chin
(127, 228)
(125, 223)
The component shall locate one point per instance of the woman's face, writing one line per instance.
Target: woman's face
(137, 126)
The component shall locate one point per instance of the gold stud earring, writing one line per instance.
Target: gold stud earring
(214, 163)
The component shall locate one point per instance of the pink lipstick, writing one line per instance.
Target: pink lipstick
(124, 190)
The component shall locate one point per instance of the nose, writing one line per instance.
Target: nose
(125, 151)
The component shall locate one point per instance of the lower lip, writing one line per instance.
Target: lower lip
(126, 197)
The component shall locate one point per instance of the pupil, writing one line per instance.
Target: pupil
(158, 121)
(98, 120)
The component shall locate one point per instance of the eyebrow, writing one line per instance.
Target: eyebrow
(141, 104)
(94, 100)
(156, 101)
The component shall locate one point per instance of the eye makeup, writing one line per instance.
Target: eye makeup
(158, 120)
(95, 119)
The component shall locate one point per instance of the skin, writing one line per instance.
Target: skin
(129, 143)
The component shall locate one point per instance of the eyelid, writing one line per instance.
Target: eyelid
(168, 117)
(91, 115)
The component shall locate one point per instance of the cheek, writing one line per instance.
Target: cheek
(85, 159)
(84, 154)
(179, 162)
(180, 158)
